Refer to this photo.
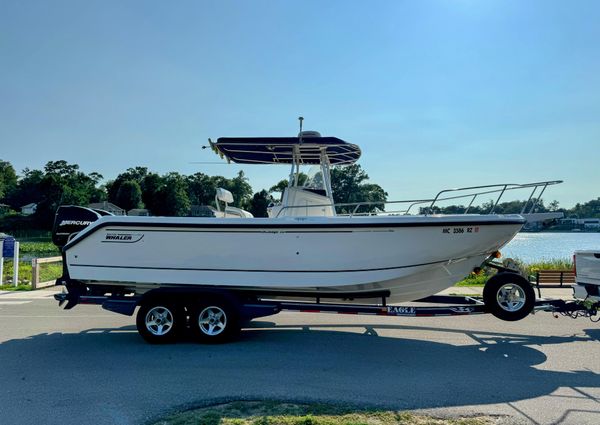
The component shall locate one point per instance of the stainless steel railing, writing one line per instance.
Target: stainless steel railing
(474, 193)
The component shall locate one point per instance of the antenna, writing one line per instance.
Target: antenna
(300, 134)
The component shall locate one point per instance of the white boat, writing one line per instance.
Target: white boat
(305, 247)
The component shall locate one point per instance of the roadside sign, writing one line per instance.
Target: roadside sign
(8, 247)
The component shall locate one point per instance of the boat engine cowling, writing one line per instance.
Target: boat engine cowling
(70, 220)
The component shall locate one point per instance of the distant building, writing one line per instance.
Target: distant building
(591, 223)
(539, 221)
(582, 223)
(107, 206)
(29, 209)
(139, 212)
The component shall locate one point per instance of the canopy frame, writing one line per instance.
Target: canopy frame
(286, 150)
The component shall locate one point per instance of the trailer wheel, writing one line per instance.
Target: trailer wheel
(509, 296)
(215, 320)
(159, 321)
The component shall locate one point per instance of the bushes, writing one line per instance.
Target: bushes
(474, 280)
(549, 265)
(39, 249)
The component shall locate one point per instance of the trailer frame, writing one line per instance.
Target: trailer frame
(451, 305)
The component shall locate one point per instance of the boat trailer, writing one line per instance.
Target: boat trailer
(451, 305)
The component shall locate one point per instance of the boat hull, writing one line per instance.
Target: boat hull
(412, 257)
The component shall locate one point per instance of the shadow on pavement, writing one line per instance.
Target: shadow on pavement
(114, 370)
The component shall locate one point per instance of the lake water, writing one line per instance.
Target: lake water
(531, 247)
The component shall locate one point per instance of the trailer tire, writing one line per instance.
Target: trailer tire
(509, 296)
(160, 321)
(215, 320)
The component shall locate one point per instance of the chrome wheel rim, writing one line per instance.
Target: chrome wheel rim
(511, 297)
(212, 320)
(159, 320)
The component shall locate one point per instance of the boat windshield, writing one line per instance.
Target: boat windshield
(314, 179)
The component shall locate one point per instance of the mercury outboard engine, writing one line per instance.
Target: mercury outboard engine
(70, 220)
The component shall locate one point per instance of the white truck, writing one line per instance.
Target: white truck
(587, 275)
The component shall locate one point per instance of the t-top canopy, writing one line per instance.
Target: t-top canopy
(280, 150)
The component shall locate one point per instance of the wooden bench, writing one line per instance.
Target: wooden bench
(553, 279)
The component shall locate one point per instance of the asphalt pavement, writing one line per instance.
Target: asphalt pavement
(88, 365)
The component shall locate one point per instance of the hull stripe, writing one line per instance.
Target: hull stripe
(307, 227)
(256, 271)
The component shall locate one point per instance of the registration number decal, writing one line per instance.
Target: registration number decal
(460, 230)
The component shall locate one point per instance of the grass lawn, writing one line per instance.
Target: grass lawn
(48, 271)
(272, 413)
(474, 280)
(39, 249)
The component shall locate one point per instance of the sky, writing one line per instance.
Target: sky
(437, 94)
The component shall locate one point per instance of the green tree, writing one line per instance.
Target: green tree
(129, 195)
(202, 188)
(590, 209)
(58, 183)
(259, 203)
(172, 197)
(136, 174)
(349, 185)
(238, 186)
(62, 184)
(279, 187)
(28, 189)
(8, 180)
(150, 186)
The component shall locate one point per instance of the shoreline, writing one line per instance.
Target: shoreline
(569, 232)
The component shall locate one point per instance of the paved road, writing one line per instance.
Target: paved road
(90, 366)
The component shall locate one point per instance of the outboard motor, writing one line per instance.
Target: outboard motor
(70, 220)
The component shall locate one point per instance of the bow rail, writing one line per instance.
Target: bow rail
(474, 192)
